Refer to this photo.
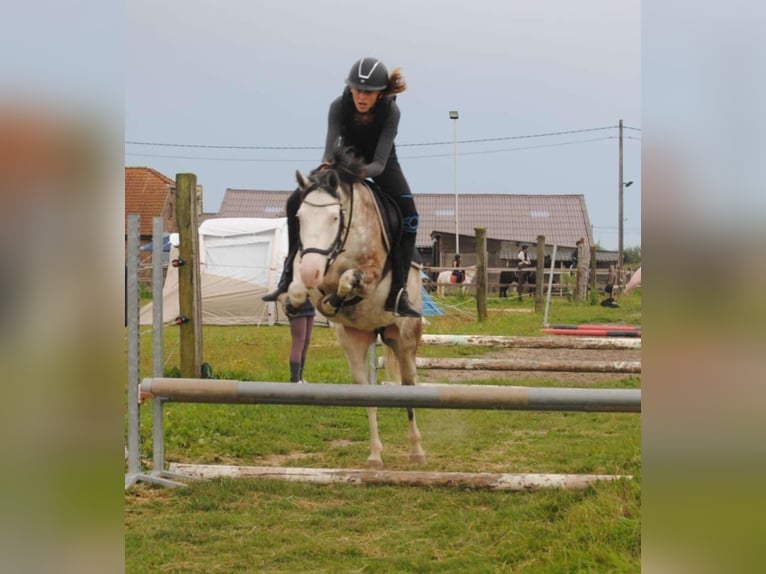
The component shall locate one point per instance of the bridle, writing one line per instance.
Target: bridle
(338, 244)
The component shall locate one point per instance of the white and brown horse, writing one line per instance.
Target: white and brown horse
(450, 277)
(342, 269)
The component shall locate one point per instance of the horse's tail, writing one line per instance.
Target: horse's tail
(391, 365)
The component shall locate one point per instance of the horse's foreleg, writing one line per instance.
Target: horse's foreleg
(405, 353)
(376, 447)
(417, 454)
(356, 344)
(349, 282)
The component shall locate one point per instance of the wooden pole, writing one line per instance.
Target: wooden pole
(593, 278)
(621, 185)
(593, 343)
(471, 480)
(481, 273)
(540, 275)
(562, 366)
(189, 289)
(230, 391)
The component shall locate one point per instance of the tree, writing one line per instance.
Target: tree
(632, 255)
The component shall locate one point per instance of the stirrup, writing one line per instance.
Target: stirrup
(400, 306)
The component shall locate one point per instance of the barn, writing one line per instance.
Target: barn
(510, 220)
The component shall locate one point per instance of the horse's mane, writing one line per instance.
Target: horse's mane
(345, 169)
(349, 167)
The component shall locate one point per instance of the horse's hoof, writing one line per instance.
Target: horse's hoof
(418, 458)
(374, 463)
(331, 305)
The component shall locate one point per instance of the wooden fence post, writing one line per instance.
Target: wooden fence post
(540, 273)
(189, 288)
(481, 272)
(593, 278)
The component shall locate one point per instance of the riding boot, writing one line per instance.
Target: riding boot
(285, 279)
(295, 372)
(398, 302)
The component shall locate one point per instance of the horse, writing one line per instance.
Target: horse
(343, 268)
(449, 276)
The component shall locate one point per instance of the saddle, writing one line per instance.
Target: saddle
(389, 216)
(457, 276)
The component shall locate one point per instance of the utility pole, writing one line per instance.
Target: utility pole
(453, 115)
(621, 187)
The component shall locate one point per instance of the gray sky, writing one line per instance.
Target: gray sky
(262, 74)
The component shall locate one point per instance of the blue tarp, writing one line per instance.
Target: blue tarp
(430, 308)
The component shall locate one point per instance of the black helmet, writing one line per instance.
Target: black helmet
(368, 74)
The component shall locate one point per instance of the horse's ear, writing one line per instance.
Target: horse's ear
(303, 183)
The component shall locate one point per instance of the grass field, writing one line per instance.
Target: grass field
(270, 526)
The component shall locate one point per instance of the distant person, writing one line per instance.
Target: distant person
(458, 275)
(522, 276)
(523, 257)
(301, 325)
(610, 288)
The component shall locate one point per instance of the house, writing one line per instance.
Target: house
(510, 220)
(150, 194)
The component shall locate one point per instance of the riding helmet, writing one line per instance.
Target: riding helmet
(368, 75)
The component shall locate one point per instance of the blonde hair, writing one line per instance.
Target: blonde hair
(396, 83)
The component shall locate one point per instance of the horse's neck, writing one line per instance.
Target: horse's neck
(365, 217)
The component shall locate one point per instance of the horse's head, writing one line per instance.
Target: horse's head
(321, 220)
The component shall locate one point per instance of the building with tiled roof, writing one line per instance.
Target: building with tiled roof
(150, 194)
(509, 219)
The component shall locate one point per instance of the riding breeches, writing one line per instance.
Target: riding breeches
(393, 183)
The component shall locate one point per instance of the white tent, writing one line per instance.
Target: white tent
(240, 261)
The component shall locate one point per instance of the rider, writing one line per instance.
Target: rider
(366, 117)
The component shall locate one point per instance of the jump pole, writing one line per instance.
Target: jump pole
(349, 395)
(594, 343)
(518, 482)
(526, 365)
(434, 396)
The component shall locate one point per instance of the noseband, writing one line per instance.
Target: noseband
(337, 246)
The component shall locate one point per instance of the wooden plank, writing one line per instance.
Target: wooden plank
(472, 480)
(528, 365)
(594, 343)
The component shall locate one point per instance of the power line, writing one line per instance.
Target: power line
(430, 156)
(292, 147)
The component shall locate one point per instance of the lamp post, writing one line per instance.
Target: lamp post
(453, 115)
(620, 243)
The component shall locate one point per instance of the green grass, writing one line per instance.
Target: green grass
(270, 526)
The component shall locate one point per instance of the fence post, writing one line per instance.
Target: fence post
(189, 289)
(593, 277)
(481, 272)
(540, 273)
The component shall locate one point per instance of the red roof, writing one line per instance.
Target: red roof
(146, 193)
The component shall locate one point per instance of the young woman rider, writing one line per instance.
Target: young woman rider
(366, 117)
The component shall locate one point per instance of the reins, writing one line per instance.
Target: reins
(338, 245)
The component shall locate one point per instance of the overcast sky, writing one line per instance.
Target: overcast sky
(251, 74)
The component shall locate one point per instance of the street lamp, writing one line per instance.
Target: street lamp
(453, 115)
(620, 217)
